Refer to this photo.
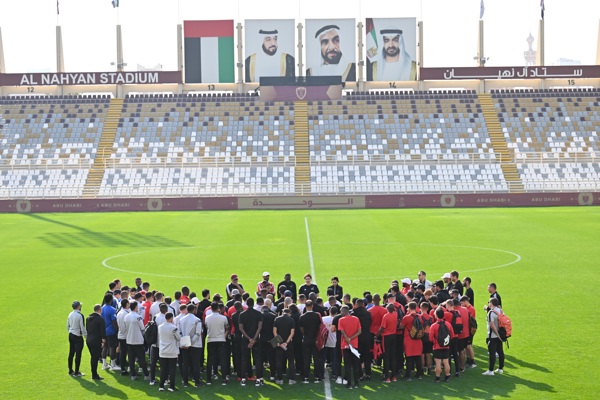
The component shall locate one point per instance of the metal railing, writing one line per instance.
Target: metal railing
(291, 189)
(315, 160)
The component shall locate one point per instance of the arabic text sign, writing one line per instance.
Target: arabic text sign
(245, 203)
(533, 72)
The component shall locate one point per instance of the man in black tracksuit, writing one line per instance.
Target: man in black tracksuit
(96, 338)
(365, 340)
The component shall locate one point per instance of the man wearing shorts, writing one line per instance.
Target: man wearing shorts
(441, 354)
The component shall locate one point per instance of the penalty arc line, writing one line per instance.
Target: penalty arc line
(326, 381)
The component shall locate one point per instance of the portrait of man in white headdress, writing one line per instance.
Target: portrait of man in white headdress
(388, 59)
(269, 60)
(331, 61)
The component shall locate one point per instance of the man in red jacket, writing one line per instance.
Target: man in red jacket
(349, 327)
(463, 337)
(470, 354)
(388, 332)
(441, 353)
(413, 348)
(377, 313)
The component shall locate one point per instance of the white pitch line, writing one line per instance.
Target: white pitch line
(326, 381)
(310, 254)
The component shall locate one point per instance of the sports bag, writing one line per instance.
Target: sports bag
(443, 335)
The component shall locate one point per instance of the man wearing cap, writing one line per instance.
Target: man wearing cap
(332, 60)
(441, 293)
(393, 63)
(234, 285)
(265, 284)
(96, 338)
(267, 62)
(77, 331)
(289, 285)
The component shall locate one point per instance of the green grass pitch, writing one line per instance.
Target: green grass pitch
(543, 260)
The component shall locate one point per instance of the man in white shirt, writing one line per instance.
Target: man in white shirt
(190, 325)
(77, 331)
(217, 327)
(168, 347)
(135, 342)
(122, 335)
(154, 353)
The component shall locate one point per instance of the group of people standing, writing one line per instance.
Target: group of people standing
(417, 327)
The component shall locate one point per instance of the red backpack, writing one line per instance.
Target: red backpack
(322, 335)
(504, 326)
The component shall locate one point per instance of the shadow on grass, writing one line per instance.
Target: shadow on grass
(86, 238)
(100, 388)
(509, 360)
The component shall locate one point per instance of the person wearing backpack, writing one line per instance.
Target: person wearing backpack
(413, 346)
(427, 321)
(440, 335)
(493, 339)
(463, 337)
(465, 301)
(455, 319)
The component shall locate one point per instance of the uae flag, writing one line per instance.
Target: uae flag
(209, 52)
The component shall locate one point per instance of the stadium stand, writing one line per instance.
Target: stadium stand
(48, 144)
(232, 144)
(435, 142)
(176, 134)
(553, 135)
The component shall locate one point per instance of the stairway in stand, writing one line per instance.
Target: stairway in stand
(509, 168)
(302, 148)
(94, 179)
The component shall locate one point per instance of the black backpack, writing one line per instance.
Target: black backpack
(457, 322)
(416, 330)
(151, 332)
(401, 315)
(443, 335)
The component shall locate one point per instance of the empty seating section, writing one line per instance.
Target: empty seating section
(39, 183)
(165, 129)
(157, 133)
(408, 178)
(572, 176)
(55, 129)
(551, 122)
(195, 181)
(401, 127)
(235, 145)
(405, 129)
(41, 131)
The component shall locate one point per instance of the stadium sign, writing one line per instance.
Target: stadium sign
(91, 78)
(532, 72)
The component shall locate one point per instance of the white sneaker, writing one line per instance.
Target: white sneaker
(152, 383)
(473, 365)
(339, 380)
(115, 368)
(499, 371)
(105, 367)
(344, 382)
(488, 373)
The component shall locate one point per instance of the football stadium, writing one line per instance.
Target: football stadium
(299, 201)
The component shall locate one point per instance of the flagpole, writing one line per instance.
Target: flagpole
(598, 48)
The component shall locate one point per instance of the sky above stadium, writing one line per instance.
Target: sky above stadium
(150, 35)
